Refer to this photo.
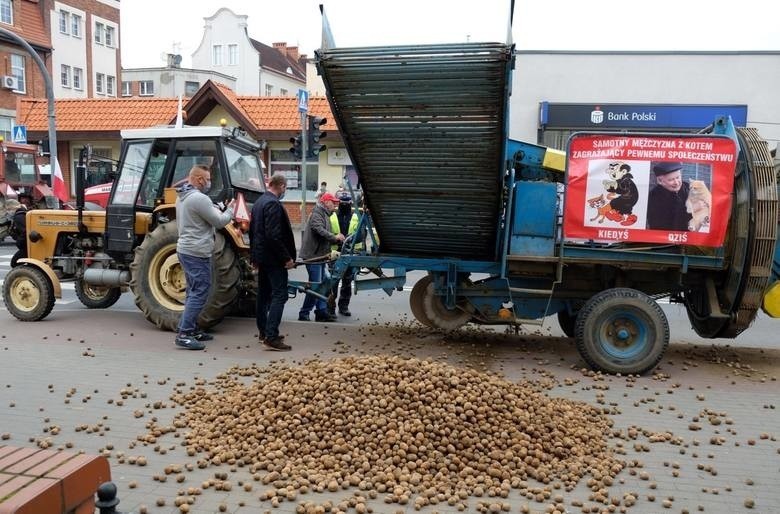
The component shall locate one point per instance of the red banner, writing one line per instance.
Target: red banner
(651, 189)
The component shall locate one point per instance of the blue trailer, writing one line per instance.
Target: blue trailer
(447, 192)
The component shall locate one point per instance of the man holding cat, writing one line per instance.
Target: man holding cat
(666, 202)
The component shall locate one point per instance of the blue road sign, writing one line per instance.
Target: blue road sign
(20, 134)
(303, 100)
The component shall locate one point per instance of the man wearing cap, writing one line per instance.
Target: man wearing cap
(666, 201)
(315, 243)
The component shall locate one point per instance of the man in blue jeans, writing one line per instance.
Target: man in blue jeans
(316, 241)
(196, 218)
(272, 253)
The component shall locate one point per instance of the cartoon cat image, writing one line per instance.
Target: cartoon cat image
(698, 204)
(601, 204)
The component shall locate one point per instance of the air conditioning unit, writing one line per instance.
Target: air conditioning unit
(10, 82)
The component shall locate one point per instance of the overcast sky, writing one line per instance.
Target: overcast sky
(154, 27)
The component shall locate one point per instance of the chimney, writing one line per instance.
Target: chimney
(282, 47)
(292, 52)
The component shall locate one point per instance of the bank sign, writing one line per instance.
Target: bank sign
(636, 116)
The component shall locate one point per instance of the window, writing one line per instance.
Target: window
(65, 75)
(190, 88)
(146, 88)
(110, 85)
(100, 30)
(75, 25)
(7, 12)
(283, 92)
(64, 22)
(269, 90)
(282, 161)
(5, 127)
(127, 88)
(232, 55)
(99, 168)
(18, 71)
(100, 83)
(216, 55)
(78, 78)
(110, 36)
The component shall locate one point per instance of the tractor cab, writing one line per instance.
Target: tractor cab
(20, 176)
(156, 159)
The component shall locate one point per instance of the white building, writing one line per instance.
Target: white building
(259, 69)
(554, 93)
(170, 81)
(86, 56)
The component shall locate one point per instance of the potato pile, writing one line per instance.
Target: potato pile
(395, 426)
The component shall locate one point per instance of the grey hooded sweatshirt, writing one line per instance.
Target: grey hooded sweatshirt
(196, 218)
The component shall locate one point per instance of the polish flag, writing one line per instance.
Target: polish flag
(60, 190)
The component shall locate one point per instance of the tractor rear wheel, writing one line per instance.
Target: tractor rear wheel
(97, 297)
(28, 293)
(622, 330)
(159, 286)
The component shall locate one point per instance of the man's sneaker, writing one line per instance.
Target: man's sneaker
(202, 336)
(277, 344)
(189, 342)
(345, 311)
(303, 317)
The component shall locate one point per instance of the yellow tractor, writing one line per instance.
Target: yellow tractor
(132, 244)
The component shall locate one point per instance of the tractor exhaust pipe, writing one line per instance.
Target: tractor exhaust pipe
(106, 277)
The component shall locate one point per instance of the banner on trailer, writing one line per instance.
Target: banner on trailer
(650, 189)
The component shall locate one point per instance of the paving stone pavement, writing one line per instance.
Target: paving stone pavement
(101, 386)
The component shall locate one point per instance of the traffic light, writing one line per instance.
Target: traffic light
(296, 148)
(314, 136)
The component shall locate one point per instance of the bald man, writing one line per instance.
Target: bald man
(197, 219)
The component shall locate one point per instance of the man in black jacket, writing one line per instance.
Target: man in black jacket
(272, 247)
(666, 202)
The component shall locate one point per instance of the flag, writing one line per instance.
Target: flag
(60, 190)
(179, 118)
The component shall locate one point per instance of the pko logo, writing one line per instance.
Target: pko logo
(597, 115)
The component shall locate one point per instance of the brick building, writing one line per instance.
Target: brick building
(78, 41)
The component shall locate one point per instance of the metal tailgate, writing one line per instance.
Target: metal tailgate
(425, 127)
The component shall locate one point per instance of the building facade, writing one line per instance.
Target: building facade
(557, 93)
(78, 41)
(259, 69)
(170, 81)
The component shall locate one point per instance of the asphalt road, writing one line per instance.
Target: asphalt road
(699, 434)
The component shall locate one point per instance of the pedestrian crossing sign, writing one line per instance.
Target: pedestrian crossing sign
(19, 133)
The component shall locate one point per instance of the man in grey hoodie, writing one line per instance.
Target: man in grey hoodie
(196, 218)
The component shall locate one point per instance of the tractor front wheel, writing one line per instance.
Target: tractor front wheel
(28, 293)
(97, 297)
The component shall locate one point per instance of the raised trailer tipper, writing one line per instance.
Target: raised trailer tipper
(510, 232)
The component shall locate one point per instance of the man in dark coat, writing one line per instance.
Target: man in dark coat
(272, 247)
(18, 228)
(666, 201)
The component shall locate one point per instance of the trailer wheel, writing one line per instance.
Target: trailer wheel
(28, 294)
(416, 301)
(158, 283)
(438, 313)
(622, 330)
(96, 297)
